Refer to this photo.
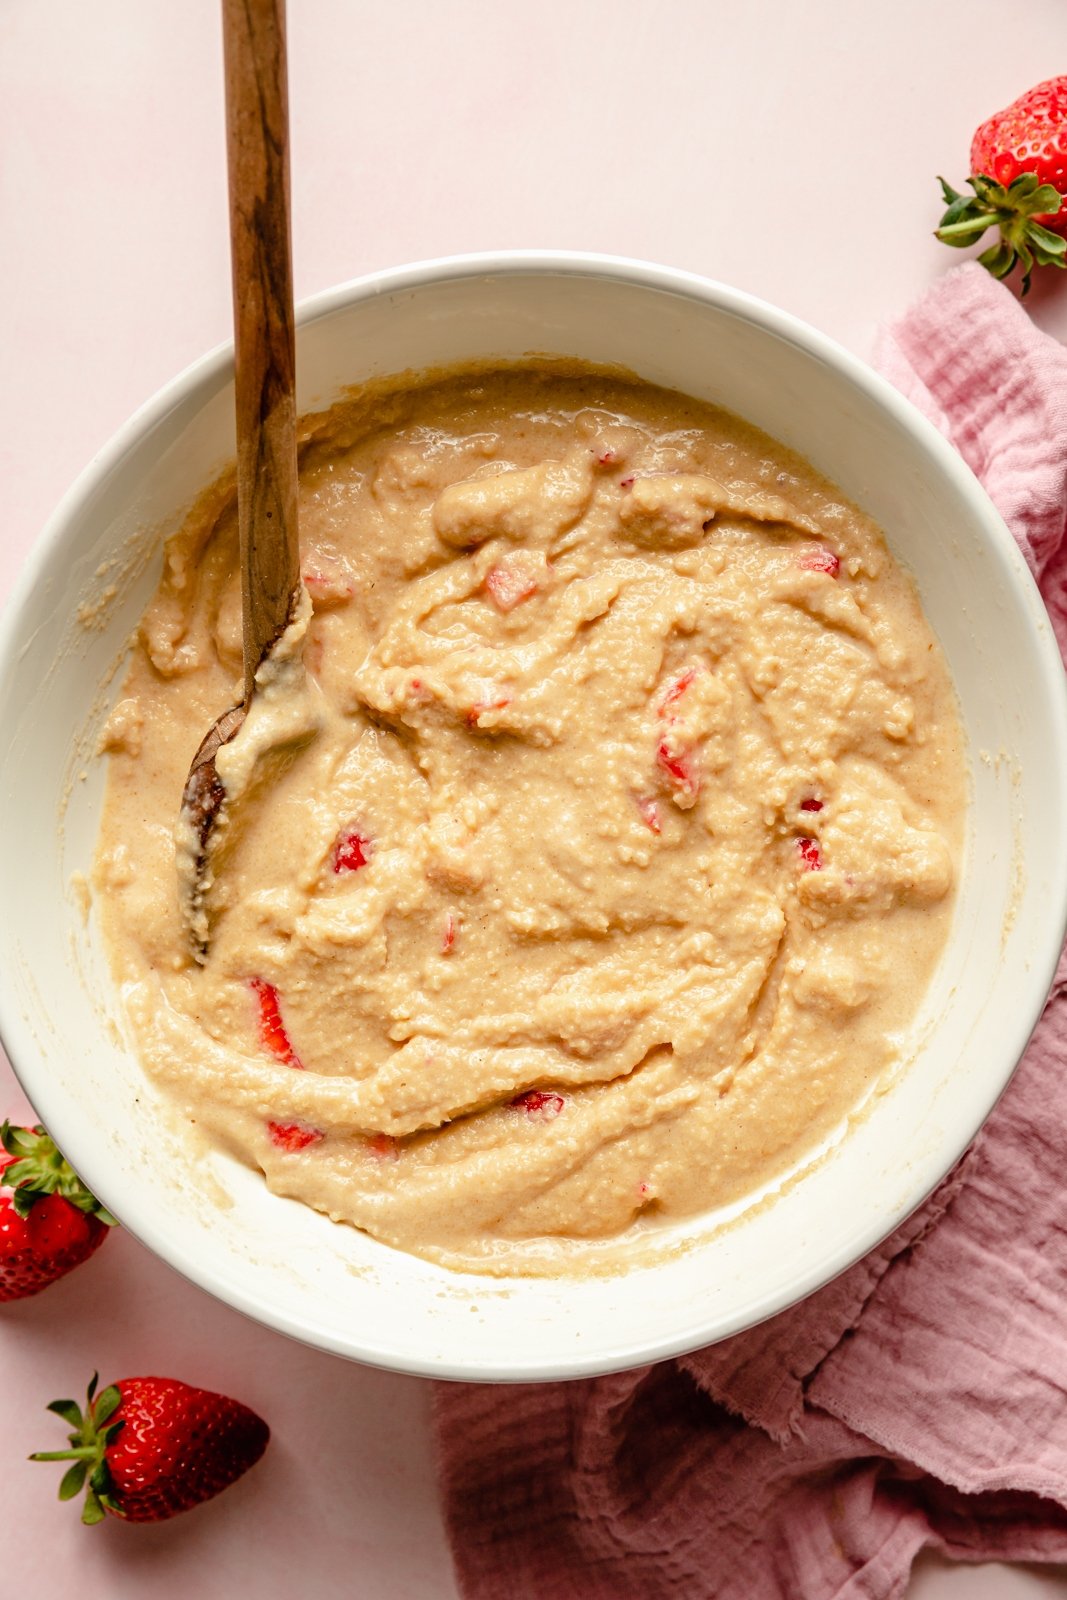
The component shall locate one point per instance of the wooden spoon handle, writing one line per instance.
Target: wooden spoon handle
(257, 138)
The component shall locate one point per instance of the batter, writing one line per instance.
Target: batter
(594, 839)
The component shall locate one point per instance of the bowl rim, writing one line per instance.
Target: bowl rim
(216, 365)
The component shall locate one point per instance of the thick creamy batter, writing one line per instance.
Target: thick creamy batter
(593, 843)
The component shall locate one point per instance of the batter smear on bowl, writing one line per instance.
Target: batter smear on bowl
(606, 839)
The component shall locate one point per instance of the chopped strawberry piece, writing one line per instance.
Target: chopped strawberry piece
(508, 587)
(326, 585)
(328, 582)
(383, 1147)
(293, 1136)
(811, 805)
(543, 1104)
(352, 851)
(680, 767)
(626, 483)
(496, 704)
(676, 690)
(272, 1032)
(644, 1190)
(649, 810)
(810, 854)
(448, 938)
(821, 561)
(606, 458)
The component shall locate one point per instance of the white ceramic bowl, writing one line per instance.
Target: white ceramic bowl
(329, 1285)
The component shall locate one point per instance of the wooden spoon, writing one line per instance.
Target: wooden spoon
(257, 137)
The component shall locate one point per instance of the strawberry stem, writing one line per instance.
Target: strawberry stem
(84, 1452)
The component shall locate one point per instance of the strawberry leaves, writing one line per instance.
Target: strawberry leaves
(92, 1431)
(1014, 211)
(69, 1410)
(38, 1168)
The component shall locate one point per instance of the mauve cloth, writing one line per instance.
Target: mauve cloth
(921, 1398)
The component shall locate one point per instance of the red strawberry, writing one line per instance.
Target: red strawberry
(328, 582)
(649, 810)
(151, 1447)
(272, 1030)
(810, 854)
(293, 1136)
(1019, 178)
(541, 1104)
(274, 1035)
(681, 764)
(509, 586)
(49, 1222)
(352, 851)
(494, 700)
(682, 768)
(821, 561)
(676, 691)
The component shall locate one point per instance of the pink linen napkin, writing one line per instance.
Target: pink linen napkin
(921, 1398)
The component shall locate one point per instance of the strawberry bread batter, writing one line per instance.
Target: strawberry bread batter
(593, 847)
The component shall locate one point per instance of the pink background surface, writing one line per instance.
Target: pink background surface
(788, 149)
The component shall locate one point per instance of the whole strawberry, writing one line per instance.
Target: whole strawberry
(49, 1222)
(1019, 178)
(146, 1448)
